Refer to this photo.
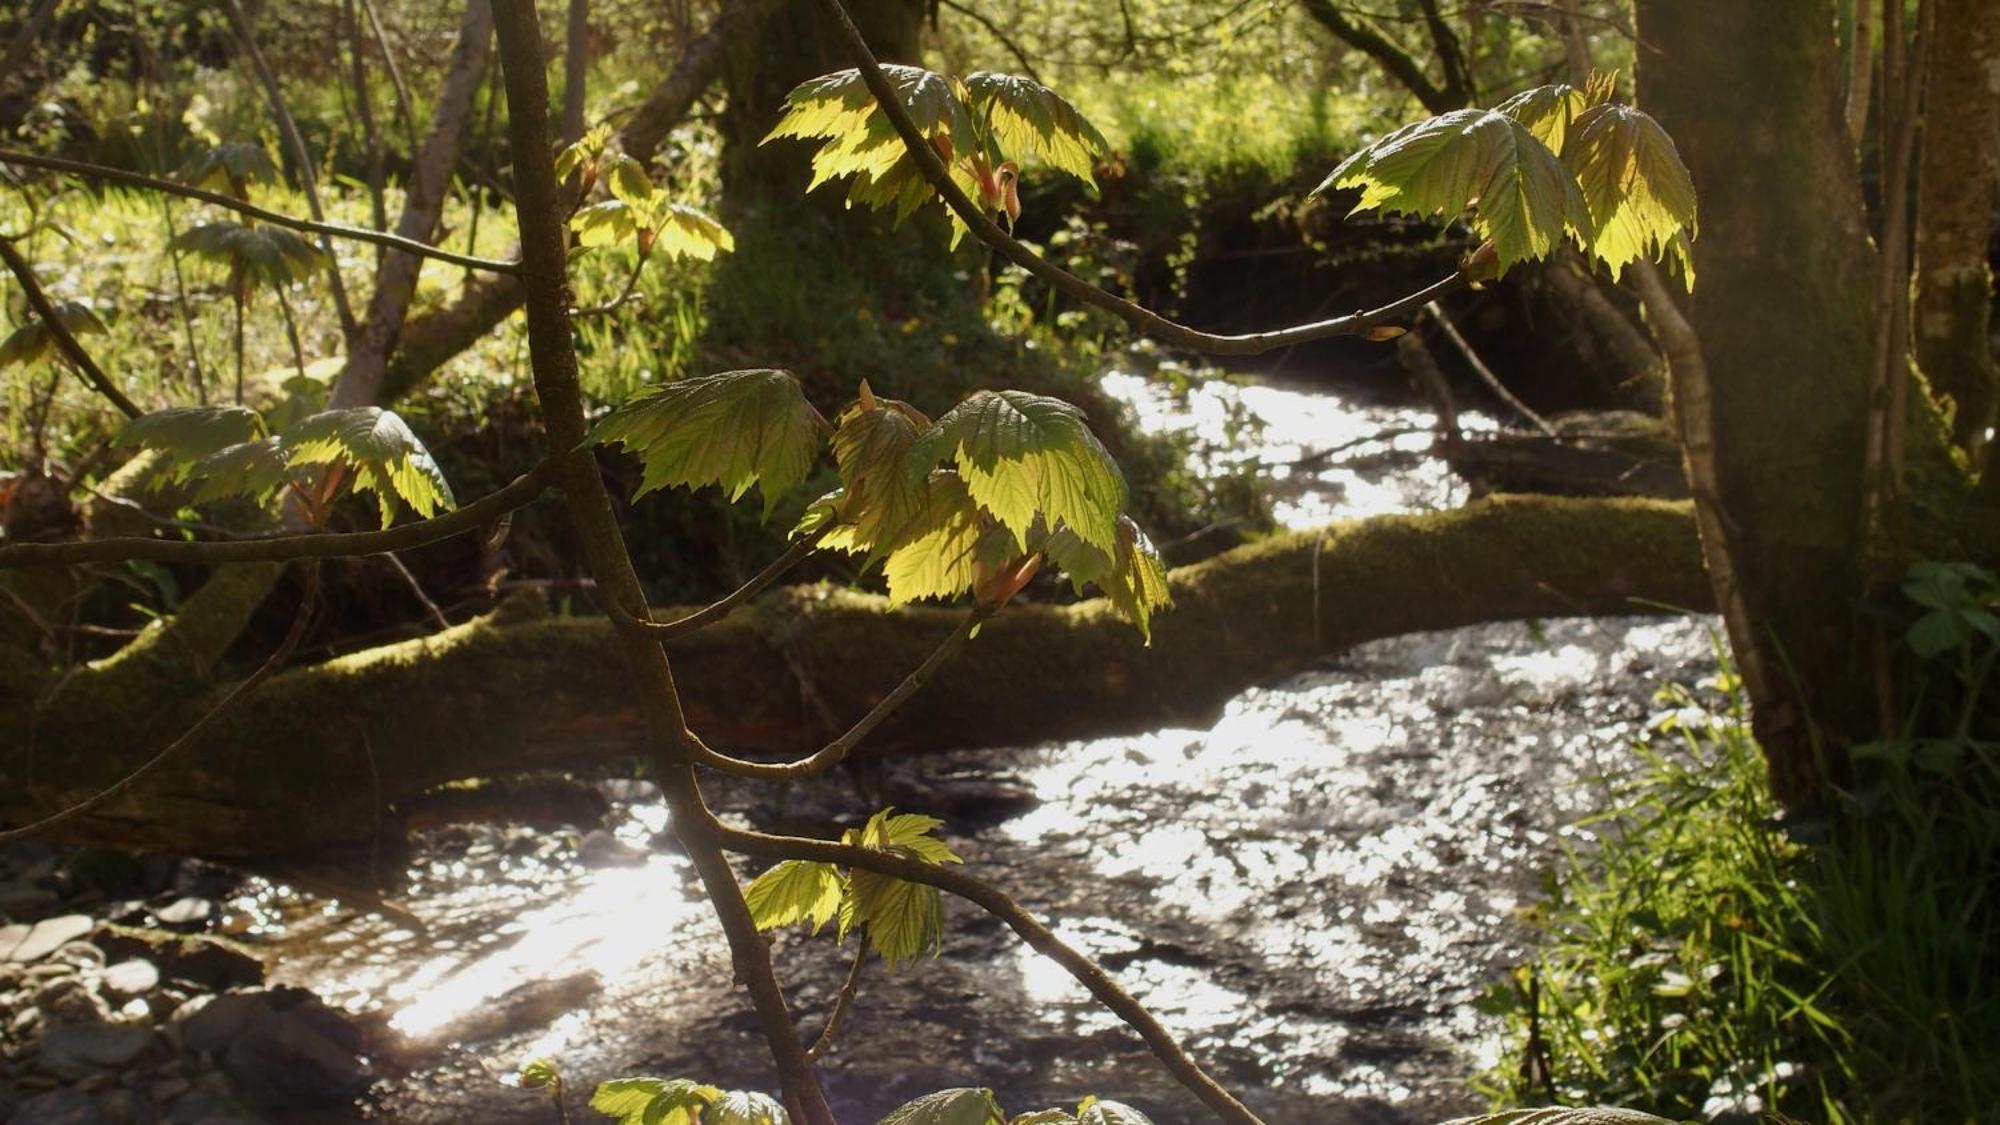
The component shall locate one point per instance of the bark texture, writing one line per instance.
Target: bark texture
(1956, 184)
(519, 690)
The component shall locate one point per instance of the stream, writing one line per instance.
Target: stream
(1310, 894)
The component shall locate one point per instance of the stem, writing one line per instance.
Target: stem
(404, 104)
(311, 226)
(365, 108)
(296, 144)
(849, 989)
(1485, 373)
(238, 295)
(221, 710)
(292, 332)
(717, 610)
(282, 548)
(544, 278)
(65, 339)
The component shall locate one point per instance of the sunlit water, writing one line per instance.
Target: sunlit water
(1311, 893)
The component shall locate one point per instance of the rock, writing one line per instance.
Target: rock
(77, 1050)
(601, 849)
(130, 978)
(208, 1023)
(59, 1107)
(48, 935)
(208, 1107)
(126, 1107)
(70, 1000)
(188, 911)
(19, 899)
(10, 937)
(288, 1060)
(211, 962)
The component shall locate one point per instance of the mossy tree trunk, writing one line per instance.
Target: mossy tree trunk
(520, 691)
(1785, 310)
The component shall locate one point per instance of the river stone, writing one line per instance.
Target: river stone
(71, 1000)
(211, 962)
(77, 1050)
(209, 1023)
(49, 935)
(10, 937)
(59, 1107)
(286, 1058)
(601, 849)
(130, 978)
(208, 1107)
(188, 911)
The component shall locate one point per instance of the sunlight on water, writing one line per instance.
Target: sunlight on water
(1325, 457)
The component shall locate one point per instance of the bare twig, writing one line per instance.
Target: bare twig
(215, 714)
(405, 106)
(416, 588)
(310, 226)
(65, 339)
(723, 607)
(849, 989)
(1144, 319)
(281, 548)
(1437, 314)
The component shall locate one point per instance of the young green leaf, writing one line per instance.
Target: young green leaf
(950, 545)
(186, 434)
(1025, 116)
(609, 223)
(1026, 457)
(686, 232)
(1044, 1117)
(654, 1101)
(904, 920)
(735, 429)
(746, 1107)
(963, 1106)
(537, 1073)
(33, 340)
(1521, 196)
(1640, 196)
(1558, 1116)
(261, 256)
(839, 110)
(796, 890)
(869, 446)
(627, 179)
(382, 452)
(1546, 111)
(255, 470)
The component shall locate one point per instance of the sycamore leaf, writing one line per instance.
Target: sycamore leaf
(1521, 196)
(654, 1101)
(605, 224)
(627, 179)
(1546, 111)
(1044, 1117)
(33, 340)
(948, 548)
(255, 470)
(1025, 116)
(963, 1106)
(796, 890)
(687, 232)
(1131, 575)
(381, 451)
(1025, 457)
(186, 434)
(261, 256)
(746, 1107)
(859, 141)
(911, 833)
(1097, 1111)
(880, 501)
(903, 920)
(1640, 196)
(1557, 1115)
(734, 429)
(230, 165)
(537, 1073)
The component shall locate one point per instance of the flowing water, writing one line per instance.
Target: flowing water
(1310, 893)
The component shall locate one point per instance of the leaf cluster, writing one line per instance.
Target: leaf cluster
(1552, 163)
(902, 920)
(33, 341)
(635, 210)
(683, 1101)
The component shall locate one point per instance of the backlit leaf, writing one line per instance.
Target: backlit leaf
(381, 451)
(687, 232)
(964, 1106)
(903, 920)
(1025, 116)
(33, 340)
(654, 1101)
(1640, 196)
(609, 223)
(735, 429)
(255, 470)
(859, 141)
(881, 502)
(1097, 1111)
(1025, 457)
(746, 1107)
(1546, 111)
(1521, 196)
(948, 547)
(186, 434)
(796, 890)
(1559, 1116)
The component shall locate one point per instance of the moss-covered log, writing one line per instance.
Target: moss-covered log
(321, 756)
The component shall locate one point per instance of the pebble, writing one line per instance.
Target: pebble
(130, 978)
(48, 935)
(600, 848)
(59, 1107)
(76, 1050)
(188, 911)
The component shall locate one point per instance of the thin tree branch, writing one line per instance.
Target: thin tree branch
(311, 226)
(301, 156)
(364, 108)
(836, 752)
(717, 610)
(1144, 319)
(405, 105)
(849, 989)
(65, 339)
(1088, 973)
(281, 548)
(215, 714)
(1400, 66)
(1485, 373)
(997, 32)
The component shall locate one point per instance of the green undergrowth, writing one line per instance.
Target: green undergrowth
(1709, 957)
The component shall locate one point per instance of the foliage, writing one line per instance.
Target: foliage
(636, 211)
(257, 256)
(1549, 164)
(902, 920)
(32, 342)
(735, 429)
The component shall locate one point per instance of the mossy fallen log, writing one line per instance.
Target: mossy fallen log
(322, 756)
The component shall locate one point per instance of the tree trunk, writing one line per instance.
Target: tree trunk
(1785, 313)
(519, 691)
(1955, 197)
